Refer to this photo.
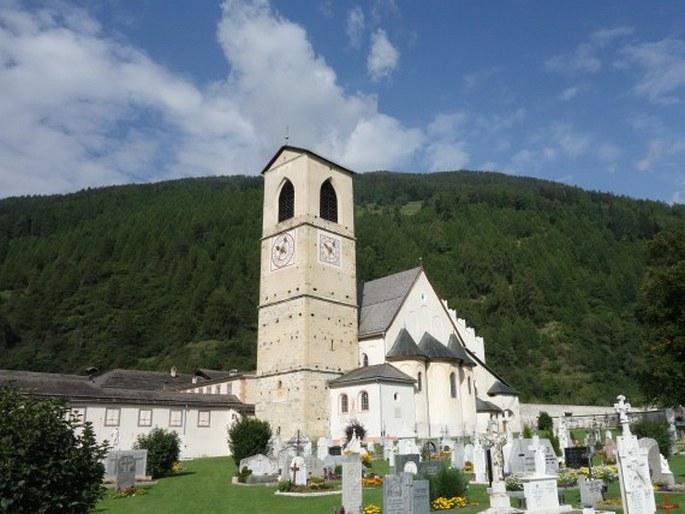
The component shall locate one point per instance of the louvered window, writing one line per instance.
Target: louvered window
(286, 202)
(328, 202)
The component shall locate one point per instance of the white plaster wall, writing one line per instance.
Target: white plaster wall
(374, 349)
(195, 441)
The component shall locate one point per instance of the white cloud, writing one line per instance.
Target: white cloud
(355, 27)
(383, 57)
(654, 154)
(447, 147)
(569, 93)
(82, 109)
(663, 65)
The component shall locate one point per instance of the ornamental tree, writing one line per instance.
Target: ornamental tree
(248, 437)
(50, 462)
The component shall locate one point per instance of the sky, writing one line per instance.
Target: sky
(103, 92)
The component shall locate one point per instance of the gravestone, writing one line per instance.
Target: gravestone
(609, 447)
(139, 457)
(421, 501)
(398, 496)
(637, 493)
(407, 446)
(330, 462)
(576, 457)
(126, 472)
(260, 465)
(590, 491)
(458, 456)
(314, 466)
(562, 432)
(431, 467)
(542, 495)
(352, 483)
(298, 471)
(657, 470)
(401, 460)
(322, 447)
(521, 457)
(479, 465)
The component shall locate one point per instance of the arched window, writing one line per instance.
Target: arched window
(453, 385)
(343, 403)
(365, 360)
(286, 202)
(364, 401)
(328, 202)
(468, 381)
(419, 381)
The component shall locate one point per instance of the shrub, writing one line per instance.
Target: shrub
(163, 449)
(545, 422)
(244, 473)
(657, 430)
(49, 461)
(527, 431)
(448, 482)
(248, 437)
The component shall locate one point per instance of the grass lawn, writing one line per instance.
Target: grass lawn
(205, 486)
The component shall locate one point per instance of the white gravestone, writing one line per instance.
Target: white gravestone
(352, 483)
(495, 441)
(479, 463)
(468, 452)
(609, 447)
(590, 491)
(458, 456)
(637, 493)
(562, 433)
(540, 466)
(322, 447)
(410, 467)
(298, 471)
(260, 465)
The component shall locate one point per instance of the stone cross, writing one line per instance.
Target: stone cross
(539, 452)
(495, 441)
(622, 408)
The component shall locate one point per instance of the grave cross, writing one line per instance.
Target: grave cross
(667, 505)
(622, 408)
(295, 470)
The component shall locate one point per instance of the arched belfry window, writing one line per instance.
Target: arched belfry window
(453, 385)
(286, 202)
(328, 202)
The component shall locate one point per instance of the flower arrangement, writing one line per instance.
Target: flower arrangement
(371, 509)
(442, 503)
(567, 477)
(513, 482)
(366, 460)
(176, 467)
(468, 466)
(372, 481)
(608, 473)
(129, 491)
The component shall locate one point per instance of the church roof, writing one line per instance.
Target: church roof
(501, 388)
(369, 374)
(485, 406)
(435, 349)
(380, 299)
(405, 346)
(304, 151)
(455, 346)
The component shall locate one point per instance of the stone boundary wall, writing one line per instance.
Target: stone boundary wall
(582, 416)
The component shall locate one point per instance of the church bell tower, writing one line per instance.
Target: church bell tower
(307, 332)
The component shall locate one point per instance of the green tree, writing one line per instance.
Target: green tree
(50, 462)
(163, 449)
(247, 437)
(657, 430)
(545, 421)
(664, 312)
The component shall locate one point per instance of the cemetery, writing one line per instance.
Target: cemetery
(621, 473)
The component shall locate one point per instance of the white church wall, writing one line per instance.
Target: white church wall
(202, 431)
(413, 368)
(374, 349)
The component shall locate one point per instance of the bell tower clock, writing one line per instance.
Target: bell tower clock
(307, 332)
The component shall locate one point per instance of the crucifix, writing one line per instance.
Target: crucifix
(295, 469)
(622, 408)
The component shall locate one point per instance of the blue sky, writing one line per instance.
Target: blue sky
(588, 93)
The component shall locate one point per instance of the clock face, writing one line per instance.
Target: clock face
(330, 248)
(283, 250)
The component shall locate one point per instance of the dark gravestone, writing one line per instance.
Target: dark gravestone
(335, 450)
(430, 467)
(401, 460)
(576, 457)
(126, 472)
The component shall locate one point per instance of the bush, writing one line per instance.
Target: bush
(545, 422)
(657, 430)
(163, 449)
(448, 482)
(49, 462)
(355, 427)
(527, 431)
(248, 437)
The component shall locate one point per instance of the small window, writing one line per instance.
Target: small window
(286, 202)
(145, 418)
(453, 385)
(217, 389)
(344, 407)
(175, 418)
(419, 381)
(112, 417)
(364, 401)
(203, 417)
(396, 397)
(365, 360)
(468, 381)
(328, 202)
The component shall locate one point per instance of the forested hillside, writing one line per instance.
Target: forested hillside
(146, 276)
